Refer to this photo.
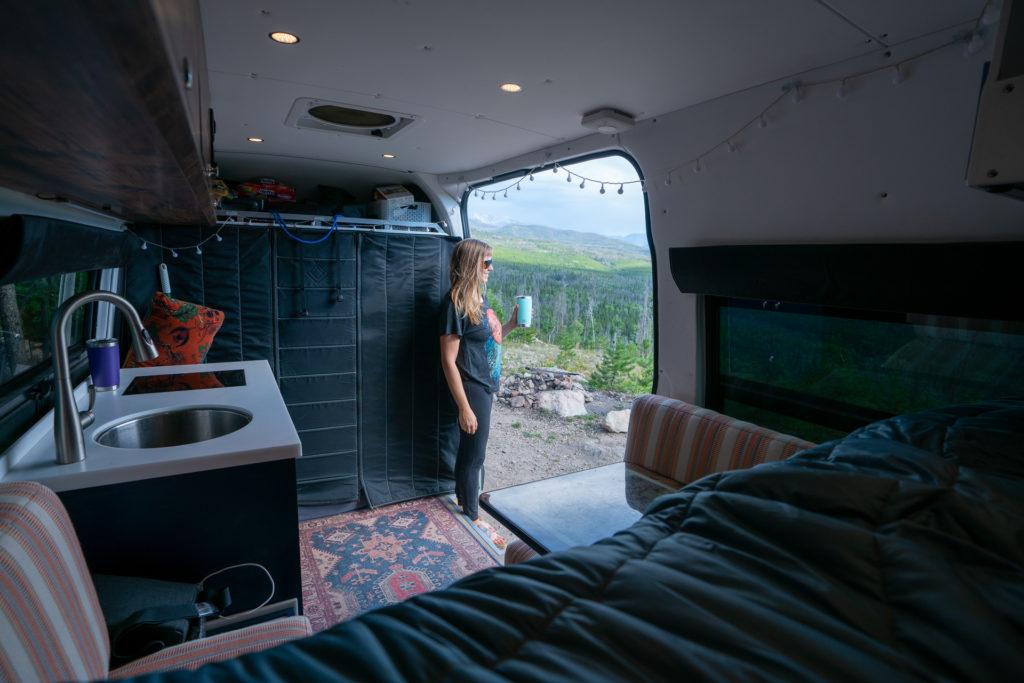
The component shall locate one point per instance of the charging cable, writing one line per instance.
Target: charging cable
(273, 587)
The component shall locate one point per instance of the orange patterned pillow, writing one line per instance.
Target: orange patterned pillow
(182, 332)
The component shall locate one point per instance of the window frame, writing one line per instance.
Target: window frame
(524, 172)
(34, 387)
(821, 411)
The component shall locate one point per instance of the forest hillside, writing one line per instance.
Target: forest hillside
(592, 298)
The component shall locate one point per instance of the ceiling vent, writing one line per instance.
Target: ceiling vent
(335, 117)
(608, 121)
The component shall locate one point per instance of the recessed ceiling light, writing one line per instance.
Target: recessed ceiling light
(254, 139)
(511, 87)
(388, 155)
(286, 38)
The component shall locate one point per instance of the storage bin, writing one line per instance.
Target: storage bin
(402, 210)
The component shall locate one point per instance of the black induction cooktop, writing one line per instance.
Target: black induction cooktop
(186, 381)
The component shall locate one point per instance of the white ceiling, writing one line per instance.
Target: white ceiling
(442, 61)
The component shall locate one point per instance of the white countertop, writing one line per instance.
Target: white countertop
(269, 436)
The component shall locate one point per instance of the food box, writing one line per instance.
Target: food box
(268, 188)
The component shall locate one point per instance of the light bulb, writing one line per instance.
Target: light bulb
(582, 183)
(568, 178)
(841, 89)
(897, 75)
(602, 188)
(174, 253)
(620, 189)
(199, 250)
(762, 122)
(732, 146)
(974, 44)
(517, 187)
(145, 246)
(794, 93)
(555, 169)
(494, 197)
(668, 181)
(506, 194)
(697, 167)
(219, 238)
(531, 177)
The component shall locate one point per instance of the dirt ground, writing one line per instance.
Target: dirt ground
(526, 444)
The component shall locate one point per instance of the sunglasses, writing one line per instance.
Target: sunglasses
(487, 262)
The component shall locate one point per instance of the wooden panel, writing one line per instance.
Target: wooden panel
(93, 109)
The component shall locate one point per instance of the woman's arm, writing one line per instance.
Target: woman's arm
(512, 323)
(449, 352)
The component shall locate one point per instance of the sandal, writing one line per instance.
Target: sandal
(497, 539)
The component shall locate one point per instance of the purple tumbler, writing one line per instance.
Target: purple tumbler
(104, 363)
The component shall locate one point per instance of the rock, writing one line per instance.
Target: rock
(561, 402)
(518, 402)
(616, 421)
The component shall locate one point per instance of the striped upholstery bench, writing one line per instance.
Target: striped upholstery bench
(51, 626)
(676, 443)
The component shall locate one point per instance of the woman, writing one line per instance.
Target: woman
(471, 337)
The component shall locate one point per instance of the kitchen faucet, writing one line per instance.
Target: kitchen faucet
(68, 422)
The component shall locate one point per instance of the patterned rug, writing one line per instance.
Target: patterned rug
(365, 559)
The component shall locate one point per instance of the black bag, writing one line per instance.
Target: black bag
(147, 615)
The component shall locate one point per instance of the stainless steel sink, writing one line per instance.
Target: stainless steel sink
(174, 428)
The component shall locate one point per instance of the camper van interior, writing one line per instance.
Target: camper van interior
(766, 256)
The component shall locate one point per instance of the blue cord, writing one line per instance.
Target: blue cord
(281, 224)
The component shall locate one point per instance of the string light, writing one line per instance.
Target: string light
(199, 250)
(897, 74)
(841, 89)
(732, 146)
(697, 167)
(762, 122)
(145, 245)
(568, 177)
(620, 189)
(582, 183)
(174, 253)
(602, 188)
(219, 238)
(531, 177)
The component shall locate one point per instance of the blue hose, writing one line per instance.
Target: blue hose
(281, 224)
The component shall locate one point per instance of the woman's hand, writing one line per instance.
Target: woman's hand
(467, 421)
(513, 322)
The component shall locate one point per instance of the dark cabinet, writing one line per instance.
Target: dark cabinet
(107, 104)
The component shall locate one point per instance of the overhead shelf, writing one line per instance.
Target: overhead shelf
(303, 221)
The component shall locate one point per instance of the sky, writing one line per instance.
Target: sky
(550, 200)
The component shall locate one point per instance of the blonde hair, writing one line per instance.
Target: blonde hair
(465, 274)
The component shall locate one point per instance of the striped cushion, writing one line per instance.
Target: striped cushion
(517, 552)
(195, 653)
(684, 442)
(51, 626)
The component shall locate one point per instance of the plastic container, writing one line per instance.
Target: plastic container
(525, 315)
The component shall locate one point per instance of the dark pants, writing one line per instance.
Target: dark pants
(472, 449)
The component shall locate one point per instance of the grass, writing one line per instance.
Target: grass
(517, 425)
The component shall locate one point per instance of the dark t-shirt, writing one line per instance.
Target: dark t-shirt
(479, 358)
